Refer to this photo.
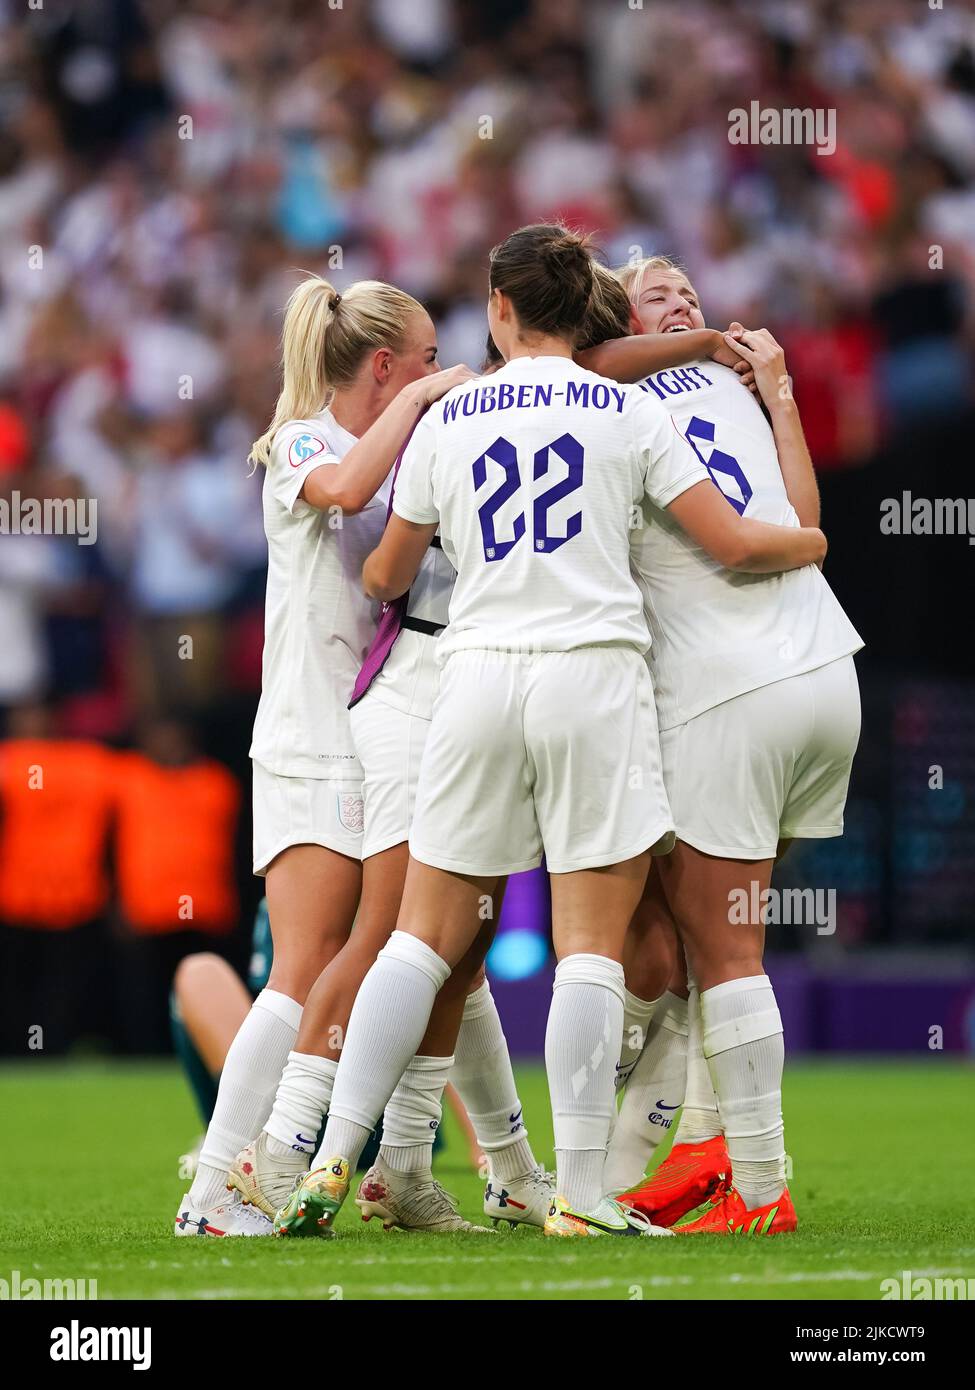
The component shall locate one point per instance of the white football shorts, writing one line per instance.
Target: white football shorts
(389, 743)
(305, 811)
(554, 753)
(772, 764)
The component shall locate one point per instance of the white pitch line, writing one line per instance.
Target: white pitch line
(323, 1291)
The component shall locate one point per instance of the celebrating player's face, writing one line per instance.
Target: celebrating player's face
(666, 303)
(417, 355)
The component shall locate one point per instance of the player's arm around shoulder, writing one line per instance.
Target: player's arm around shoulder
(739, 543)
(351, 483)
(391, 568)
(641, 354)
(677, 480)
(766, 358)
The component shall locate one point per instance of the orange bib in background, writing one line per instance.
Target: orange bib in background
(56, 799)
(175, 845)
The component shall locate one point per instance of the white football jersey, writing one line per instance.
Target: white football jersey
(318, 622)
(535, 474)
(717, 633)
(410, 675)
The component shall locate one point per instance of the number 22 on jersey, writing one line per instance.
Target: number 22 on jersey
(505, 455)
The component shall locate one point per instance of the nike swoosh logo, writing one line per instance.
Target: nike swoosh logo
(302, 1140)
(660, 1106)
(513, 1119)
(606, 1227)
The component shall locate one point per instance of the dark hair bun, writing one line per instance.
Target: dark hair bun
(555, 300)
(566, 252)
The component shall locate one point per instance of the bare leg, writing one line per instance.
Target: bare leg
(312, 894)
(443, 910)
(213, 1002)
(651, 948)
(592, 908)
(707, 897)
(330, 999)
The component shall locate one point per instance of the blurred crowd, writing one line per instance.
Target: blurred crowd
(168, 166)
(167, 170)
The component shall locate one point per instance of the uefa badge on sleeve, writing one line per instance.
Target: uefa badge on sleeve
(305, 447)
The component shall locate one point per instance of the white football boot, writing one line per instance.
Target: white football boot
(610, 1218)
(525, 1201)
(415, 1203)
(264, 1181)
(230, 1218)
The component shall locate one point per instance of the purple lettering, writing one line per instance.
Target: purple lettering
(577, 393)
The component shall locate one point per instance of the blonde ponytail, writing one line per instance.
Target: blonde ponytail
(325, 337)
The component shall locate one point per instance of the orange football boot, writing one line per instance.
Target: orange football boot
(688, 1176)
(728, 1216)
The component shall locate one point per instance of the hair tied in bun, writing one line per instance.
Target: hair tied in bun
(555, 301)
(334, 302)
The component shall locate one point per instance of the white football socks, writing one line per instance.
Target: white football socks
(582, 1047)
(699, 1119)
(654, 1094)
(745, 1050)
(388, 1020)
(485, 1083)
(247, 1085)
(637, 1014)
(303, 1097)
(412, 1116)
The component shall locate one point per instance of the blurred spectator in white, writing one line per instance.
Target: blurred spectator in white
(168, 169)
(183, 570)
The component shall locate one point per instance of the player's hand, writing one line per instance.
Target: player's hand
(729, 357)
(760, 352)
(440, 383)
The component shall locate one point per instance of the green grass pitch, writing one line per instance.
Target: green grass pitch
(882, 1157)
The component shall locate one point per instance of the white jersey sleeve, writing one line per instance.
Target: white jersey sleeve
(298, 449)
(669, 464)
(413, 495)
